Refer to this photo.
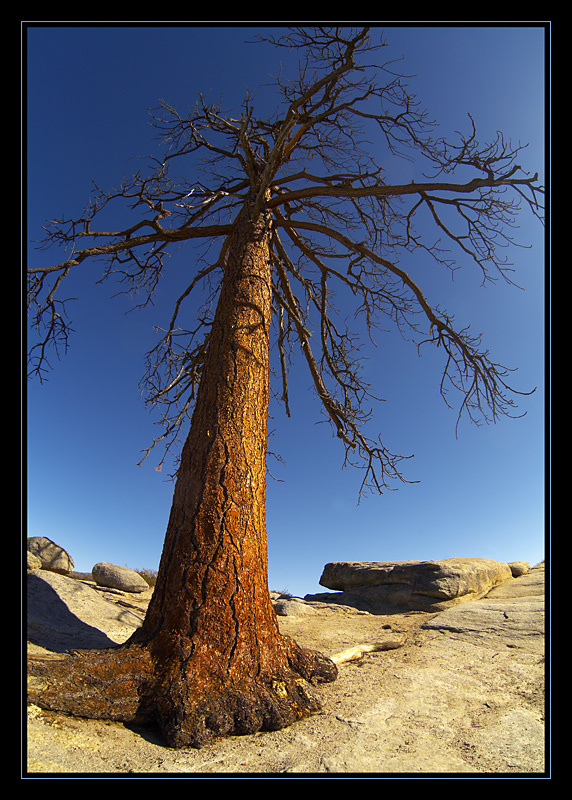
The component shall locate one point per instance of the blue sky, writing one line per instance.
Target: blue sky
(481, 494)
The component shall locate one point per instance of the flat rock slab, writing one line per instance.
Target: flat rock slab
(518, 623)
(467, 694)
(420, 585)
(511, 615)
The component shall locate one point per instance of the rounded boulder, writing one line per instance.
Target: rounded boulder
(51, 555)
(114, 577)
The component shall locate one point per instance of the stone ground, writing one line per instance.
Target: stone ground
(464, 697)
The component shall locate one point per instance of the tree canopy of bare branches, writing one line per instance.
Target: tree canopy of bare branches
(336, 225)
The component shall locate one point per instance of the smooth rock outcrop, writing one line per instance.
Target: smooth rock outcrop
(418, 585)
(511, 615)
(51, 555)
(64, 613)
(115, 577)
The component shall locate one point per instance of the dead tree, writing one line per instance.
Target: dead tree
(291, 206)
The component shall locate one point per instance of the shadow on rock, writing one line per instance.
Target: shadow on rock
(53, 626)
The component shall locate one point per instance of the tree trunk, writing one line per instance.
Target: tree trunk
(209, 659)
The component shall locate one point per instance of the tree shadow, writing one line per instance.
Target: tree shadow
(51, 624)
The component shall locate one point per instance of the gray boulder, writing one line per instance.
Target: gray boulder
(416, 585)
(115, 577)
(51, 555)
(293, 607)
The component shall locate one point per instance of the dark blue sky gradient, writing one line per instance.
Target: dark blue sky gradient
(482, 494)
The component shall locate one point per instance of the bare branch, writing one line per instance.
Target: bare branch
(309, 170)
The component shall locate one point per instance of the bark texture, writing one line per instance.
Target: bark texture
(209, 659)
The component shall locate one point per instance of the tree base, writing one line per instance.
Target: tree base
(125, 685)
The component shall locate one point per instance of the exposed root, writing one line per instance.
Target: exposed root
(98, 684)
(126, 684)
(232, 710)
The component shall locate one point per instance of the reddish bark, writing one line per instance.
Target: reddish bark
(209, 658)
